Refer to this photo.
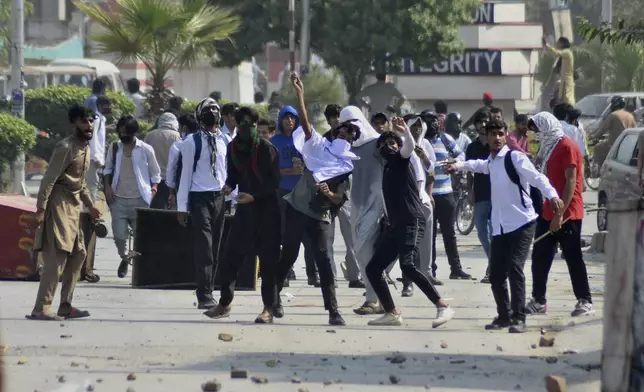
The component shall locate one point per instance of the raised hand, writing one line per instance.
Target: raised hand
(297, 83)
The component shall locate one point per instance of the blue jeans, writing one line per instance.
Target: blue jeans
(483, 224)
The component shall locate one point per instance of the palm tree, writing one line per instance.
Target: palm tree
(162, 34)
(623, 67)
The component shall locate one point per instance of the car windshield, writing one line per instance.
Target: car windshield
(593, 105)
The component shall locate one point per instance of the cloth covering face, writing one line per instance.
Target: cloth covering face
(549, 135)
(367, 132)
(324, 158)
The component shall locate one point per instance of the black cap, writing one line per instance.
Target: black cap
(379, 115)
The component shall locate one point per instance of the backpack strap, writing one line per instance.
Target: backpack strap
(513, 175)
(115, 148)
(196, 137)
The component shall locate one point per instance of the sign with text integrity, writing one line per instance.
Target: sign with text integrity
(471, 62)
(484, 14)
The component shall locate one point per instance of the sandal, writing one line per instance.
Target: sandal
(74, 314)
(44, 316)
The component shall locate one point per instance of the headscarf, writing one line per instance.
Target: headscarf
(549, 135)
(354, 114)
(423, 131)
(210, 137)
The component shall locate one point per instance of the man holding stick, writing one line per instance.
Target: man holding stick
(563, 165)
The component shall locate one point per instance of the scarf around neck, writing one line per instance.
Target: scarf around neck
(245, 149)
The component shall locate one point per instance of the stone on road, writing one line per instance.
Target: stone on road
(159, 336)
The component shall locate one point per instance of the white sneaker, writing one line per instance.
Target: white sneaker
(389, 319)
(583, 308)
(443, 315)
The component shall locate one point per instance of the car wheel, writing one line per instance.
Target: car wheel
(602, 213)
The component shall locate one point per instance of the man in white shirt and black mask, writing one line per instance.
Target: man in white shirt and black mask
(513, 221)
(132, 176)
(97, 145)
(203, 175)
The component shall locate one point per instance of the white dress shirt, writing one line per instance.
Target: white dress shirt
(577, 135)
(97, 144)
(228, 135)
(420, 171)
(431, 154)
(144, 163)
(508, 213)
(173, 163)
(203, 179)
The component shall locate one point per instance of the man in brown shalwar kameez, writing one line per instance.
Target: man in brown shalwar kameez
(59, 237)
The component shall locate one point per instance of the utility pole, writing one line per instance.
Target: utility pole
(607, 17)
(305, 36)
(291, 35)
(18, 86)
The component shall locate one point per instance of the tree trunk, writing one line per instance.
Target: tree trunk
(353, 82)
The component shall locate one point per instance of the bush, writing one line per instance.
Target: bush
(17, 137)
(47, 107)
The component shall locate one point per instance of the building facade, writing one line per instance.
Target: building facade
(500, 57)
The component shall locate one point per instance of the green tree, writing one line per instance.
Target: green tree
(604, 32)
(5, 28)
(162, 34)
(357, 37)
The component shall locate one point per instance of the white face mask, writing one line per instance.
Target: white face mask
(340, 148)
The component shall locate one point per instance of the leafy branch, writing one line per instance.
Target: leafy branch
(606, 33)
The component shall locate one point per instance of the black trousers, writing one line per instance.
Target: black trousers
(508, 254)
(255, 231)
(309, 259)
(297, 226)
(401, 241)
(207, 221)
(445, 215)
(160, 201)
(543, 254)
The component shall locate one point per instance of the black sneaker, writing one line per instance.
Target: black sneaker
(460, 275)
(486, 279)
(356, 284)
(123, 267)
(336, 319)
(518, 327)
(498, 324)
(408, 291)
(434, 281)
(278, 311)
(207, 303)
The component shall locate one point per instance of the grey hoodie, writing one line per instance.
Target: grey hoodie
(162, 139)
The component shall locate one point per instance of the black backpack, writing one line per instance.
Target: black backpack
(534, 194)
(197, 139)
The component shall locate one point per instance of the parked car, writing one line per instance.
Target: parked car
(618, 179)
(595, 107)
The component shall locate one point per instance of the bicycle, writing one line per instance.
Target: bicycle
(464, 209)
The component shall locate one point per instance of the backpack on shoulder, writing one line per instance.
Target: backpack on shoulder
(198, 142)
(534, 193)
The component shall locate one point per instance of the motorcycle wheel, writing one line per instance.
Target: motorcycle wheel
(592, 180)
(464, 216)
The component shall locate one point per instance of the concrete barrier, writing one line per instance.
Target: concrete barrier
(623, 348)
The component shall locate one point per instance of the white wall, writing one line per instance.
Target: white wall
(235, 84)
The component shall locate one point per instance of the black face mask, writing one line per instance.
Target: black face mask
(126, 139)
(210, 119)
(387, 152)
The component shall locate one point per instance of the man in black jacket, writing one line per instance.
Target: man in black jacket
(253, 166)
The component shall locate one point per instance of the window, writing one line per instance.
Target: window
(626, 150)
(631, 104)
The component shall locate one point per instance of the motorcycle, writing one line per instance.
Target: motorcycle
(591, 170)
(464, 209)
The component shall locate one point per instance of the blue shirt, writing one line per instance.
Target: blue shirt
(90, 102)
(442, 179)
(287, 152)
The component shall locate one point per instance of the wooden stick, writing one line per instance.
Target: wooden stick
(544, 235)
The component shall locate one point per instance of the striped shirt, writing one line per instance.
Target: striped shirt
(442, 179)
